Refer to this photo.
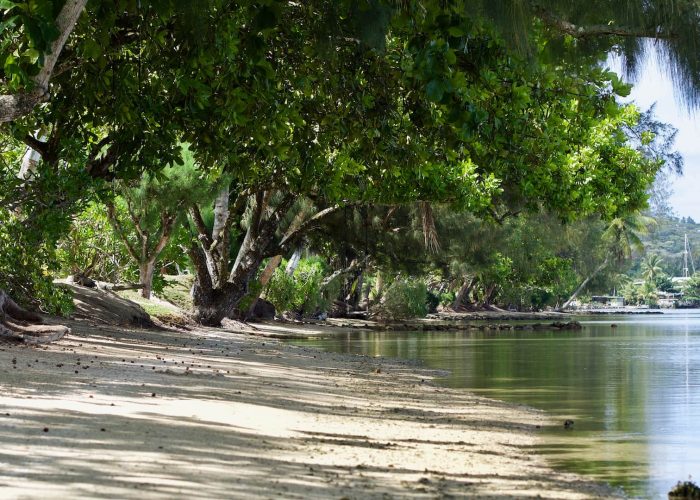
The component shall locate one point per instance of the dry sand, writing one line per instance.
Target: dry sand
(112, 412)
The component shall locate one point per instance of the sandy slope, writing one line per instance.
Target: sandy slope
(116, 413)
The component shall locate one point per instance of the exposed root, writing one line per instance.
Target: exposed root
(20, 325)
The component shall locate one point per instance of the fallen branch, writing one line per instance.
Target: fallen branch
(116, 287)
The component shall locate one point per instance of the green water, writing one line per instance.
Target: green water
(633, 391)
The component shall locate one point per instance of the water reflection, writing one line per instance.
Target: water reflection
(633, 391)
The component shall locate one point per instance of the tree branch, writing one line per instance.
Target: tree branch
(221, 216)
(40, 147)
(136, 222)
(167, 223)
(13, 106)
(354, 265)
(214, 279)
(568, 28)
(308, 224)
(112, 216)
(200, 225)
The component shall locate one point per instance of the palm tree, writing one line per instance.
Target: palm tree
(621, 239)
(651, 267)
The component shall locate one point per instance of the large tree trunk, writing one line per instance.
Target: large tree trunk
(214, 300)
(20, 325)
(265, 278)
(146, 270)
(463, 293)
(212, 305)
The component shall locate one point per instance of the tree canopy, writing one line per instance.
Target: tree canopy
(490, 109)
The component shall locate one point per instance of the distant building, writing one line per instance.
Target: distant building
(679, 280)
(608, 300)
(669, 299)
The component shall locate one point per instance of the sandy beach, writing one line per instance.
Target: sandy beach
(114, 412)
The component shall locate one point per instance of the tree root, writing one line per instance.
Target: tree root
(20, 325)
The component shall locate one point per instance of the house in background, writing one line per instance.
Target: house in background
(608, 300)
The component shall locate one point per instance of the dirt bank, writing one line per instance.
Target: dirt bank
(119, 413)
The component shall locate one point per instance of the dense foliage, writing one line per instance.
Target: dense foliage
(302, 291)
(434, 124)
(404, 298)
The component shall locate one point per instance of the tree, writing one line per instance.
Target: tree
(651, 268)
(220, 283)
(691, 288)
(620, 239)
(146, 215)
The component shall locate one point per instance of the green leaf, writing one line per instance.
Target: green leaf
(32, 55)
(91, 49)
(266, 18)
(435, 90)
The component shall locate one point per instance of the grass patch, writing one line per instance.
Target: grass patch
(177, 291)
(169, 306)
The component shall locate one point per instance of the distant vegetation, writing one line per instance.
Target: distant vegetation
(667, 241)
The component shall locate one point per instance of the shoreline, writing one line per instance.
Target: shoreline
(469, 321)
(119, 412)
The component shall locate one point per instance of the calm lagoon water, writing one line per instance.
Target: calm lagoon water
(633, 391)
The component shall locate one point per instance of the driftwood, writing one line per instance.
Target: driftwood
(116, 287)
(20, 325)
(86, 281)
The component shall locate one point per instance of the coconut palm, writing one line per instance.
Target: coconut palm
(621, 239)
(622, 236)
(651, 268)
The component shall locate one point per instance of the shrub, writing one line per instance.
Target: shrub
(686, 490)
(27, 261)
(447, 298)
(280, 290)
(432, 301)
(91, 249)
(302, 292)
(405, 298)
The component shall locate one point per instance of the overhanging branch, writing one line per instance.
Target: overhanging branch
(308, 224)
(13, 106)
(568, 28)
